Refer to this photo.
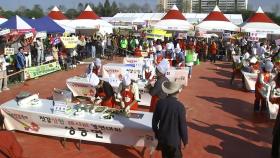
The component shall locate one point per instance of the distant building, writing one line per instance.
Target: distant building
(205, 6)
(202, 6)
(183, 5)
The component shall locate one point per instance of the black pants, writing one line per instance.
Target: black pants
(275, 146)
(171, 152)
(213, 58)
(259, 100)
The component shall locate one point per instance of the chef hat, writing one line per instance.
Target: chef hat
(246, 56)
(126, 80)
(268, 66)
(168, 46)
(159, 48)
(163, 66)
(253, 60)
(93, 79)
(97, 62)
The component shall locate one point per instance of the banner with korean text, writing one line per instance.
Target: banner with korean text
(121, 130)
(37, 71)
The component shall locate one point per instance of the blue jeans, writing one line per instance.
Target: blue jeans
(190, 70)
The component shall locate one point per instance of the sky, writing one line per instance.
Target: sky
(14, 4)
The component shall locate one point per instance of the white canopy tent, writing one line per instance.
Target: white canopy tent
(88, 20)
(261, 23)
(174, 20)
(216, 21)
(153, 18)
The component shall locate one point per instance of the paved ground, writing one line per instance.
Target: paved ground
(221, 122)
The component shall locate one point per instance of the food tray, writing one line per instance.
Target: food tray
(99, 109)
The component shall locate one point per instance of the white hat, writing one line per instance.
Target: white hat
(246, 56)
(163, 66)
(126, 80)
(97, 62)
(93, 79)
(268, 66)
(253, 60)
(159, 48)
(171, 87)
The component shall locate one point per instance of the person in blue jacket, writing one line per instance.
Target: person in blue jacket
(20, 63)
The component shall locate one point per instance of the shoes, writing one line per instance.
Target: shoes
(6, 89)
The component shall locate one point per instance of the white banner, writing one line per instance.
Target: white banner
(42, 35)
(250, 80)
(28, 35)
(4, 32)
(135, 131)
(118, 70)
(9, 51)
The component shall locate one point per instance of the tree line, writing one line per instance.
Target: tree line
(106, 9)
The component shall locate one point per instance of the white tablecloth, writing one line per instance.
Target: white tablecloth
(90, 127)
(250, 80)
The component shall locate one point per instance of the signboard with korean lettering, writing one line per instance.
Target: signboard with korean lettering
(9, 51)
(42, 35)
(28, 35)
(69, 42)
(132, 131)
(4, 32)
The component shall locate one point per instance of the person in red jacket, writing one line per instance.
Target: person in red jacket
(156, 91)
(97, 66)
(263, 83)
(9, 146)
(213, 51)
(129, 95)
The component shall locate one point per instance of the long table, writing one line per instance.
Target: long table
(90, 127)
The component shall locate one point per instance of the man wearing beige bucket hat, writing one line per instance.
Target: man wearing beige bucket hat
(169, 122)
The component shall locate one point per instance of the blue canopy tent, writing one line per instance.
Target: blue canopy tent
(16, 23)
(45, 24)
